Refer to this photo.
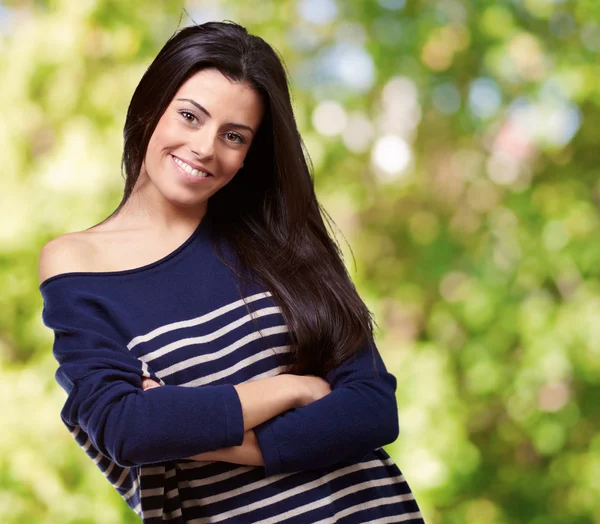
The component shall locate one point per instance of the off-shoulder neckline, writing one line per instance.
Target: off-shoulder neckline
(139, 269)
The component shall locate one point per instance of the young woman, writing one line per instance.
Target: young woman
(218, 361)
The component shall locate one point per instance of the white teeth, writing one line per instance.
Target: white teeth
(189, 169)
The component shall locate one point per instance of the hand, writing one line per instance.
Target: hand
(248, 454)
(148, 383)
(310, 388)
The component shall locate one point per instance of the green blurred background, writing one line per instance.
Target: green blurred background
(454, 143)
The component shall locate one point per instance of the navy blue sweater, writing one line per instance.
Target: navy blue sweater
(182, 322)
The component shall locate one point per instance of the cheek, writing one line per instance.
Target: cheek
(171, 133)
(153, 146)
(164, 136)
(228, 163)
(232, 158)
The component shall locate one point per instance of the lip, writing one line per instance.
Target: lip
(195, 166)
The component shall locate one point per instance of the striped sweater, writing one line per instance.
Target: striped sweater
(183, 322)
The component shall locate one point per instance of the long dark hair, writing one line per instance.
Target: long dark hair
(268, 212)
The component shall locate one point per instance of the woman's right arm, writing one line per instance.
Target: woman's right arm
(266, 398)
(263, 399)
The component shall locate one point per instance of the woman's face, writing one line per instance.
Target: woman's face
(209, 126)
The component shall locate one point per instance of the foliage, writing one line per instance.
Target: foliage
(455, 145)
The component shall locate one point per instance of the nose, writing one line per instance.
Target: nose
(203, 145)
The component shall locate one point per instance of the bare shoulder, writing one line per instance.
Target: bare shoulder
(65, 254)
(105, 247)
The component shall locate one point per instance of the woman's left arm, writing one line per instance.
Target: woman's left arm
(359, 415)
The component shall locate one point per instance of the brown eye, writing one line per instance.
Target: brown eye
(235, 135)
(186, 114)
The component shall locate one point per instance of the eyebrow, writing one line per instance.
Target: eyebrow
(205, 111)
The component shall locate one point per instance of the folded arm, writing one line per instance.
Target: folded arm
(103, 381)
(359, 415)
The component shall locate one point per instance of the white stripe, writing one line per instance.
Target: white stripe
(207, 379)
(152, 492)
(270, 373)
(172, 493)
(325, 500)
(174, 514)
(195, 321)
(132, 491)
(392, 519)
(148, 514)
(280, 496)
(87, 445)
(384, 501)
(110, 467)
(202, 359)
(214, 478)
(152, 470)
(146, 372)
(210, 337)
(138, 509)
(121, 478)
(75, 432)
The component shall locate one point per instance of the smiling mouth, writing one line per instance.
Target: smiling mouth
(189, 169)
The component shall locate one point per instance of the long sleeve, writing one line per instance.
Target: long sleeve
(103, 381)
(359, 415)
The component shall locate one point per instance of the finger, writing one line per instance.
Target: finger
(148, 383)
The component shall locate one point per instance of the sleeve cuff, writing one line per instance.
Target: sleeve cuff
(268, 447)
(234, 417)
